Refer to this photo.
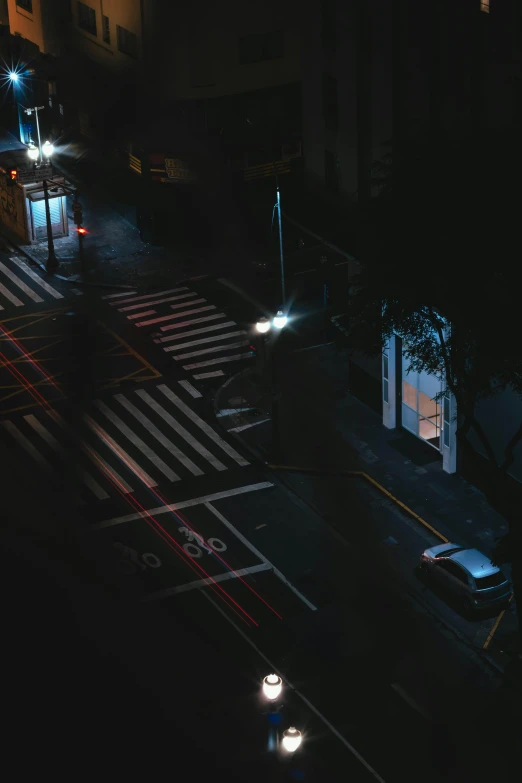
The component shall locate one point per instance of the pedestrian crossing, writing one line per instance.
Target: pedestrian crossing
(192, 331)
(21, 285)
(149, 437)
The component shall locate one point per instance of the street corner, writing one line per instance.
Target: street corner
(240, 405)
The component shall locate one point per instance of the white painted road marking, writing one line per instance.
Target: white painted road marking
(303, 698)
(140, 315)
(200, 583)
(136, 440)
(190, 388)
(121, 453)
(221, 360)
(27, 445)
(212, 328)
(212, 349)
(114, 296)
(409, 700)
(155, 512)
(160, 437)
(28, 271)
(202, 425)
(8, 295)
(155, 302)
(247, 426)
(16, 280)
(51, 441)
(145, 296)
(258, 554)
(176, 315)
(203, 375)
(213, 339)
(177, 427)
(193, 321)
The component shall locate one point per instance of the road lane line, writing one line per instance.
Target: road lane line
(258, 554)
(140, 315)
(16, 280)
(144, 296)
(114, 296)
(212, 349)
(95, 458)
(121, 453)
(247, 426)
(194, 321)
(155, 302)
(494, 629)
(13, 430)
(203, 426)
(190, 388)
(203, 329)
(409, 700)
(200, 583)
(173, 507)
(177, 427)
(177, 315)
(202, 375)
(213, 339)
(136, 440)
(303, 698)
(8, 295)
(51, 441)
(221, 360)
(160, 437)
(38, 280)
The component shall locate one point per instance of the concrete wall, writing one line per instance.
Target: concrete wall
(500, 418)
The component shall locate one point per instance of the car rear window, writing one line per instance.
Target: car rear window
(448, 552)
(493, 580)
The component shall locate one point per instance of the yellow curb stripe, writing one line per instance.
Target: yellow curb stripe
(494, 629)
(131, 350)
(376, 485)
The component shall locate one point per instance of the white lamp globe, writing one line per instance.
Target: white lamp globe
(263, 325)
(272, 686)
(48, 149)
(280, 320)
(292, 739)
(32, 151)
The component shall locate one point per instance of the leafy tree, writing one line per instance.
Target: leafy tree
(439, 249)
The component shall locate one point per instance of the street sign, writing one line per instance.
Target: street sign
(35, 175)
(76, 206)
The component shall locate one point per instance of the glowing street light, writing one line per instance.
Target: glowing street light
(272, 687)
(32, 151)
(13, 76)
(292, 739)
(263, 325)
(48, 149)
(280, 320)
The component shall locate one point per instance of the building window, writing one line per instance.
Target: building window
(484, 6)
(259, 47)
(330, 105)
(106, 29)
(385, 376)
(27, 5)
(331, 171)
(87, 18)
(127, 41)
(328, 22)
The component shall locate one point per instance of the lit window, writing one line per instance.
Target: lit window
(87, 18)
(127, 41)
(484, 6)
(27, 5)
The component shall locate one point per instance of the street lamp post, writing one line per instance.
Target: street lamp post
(264, 326)
(46, 150)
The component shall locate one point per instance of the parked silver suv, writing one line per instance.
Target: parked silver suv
(467, 574)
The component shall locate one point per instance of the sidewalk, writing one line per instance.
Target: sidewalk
(325, 428)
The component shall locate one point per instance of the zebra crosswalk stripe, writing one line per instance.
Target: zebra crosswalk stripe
(214, 338)
(213, 349)
(16, 280)
(154, 302)
(8, 295)
(37, 279)
(26, 444)
(121, 453)
(137, 441)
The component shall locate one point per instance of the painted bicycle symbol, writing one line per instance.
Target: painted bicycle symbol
(196, 545)
(131, 561)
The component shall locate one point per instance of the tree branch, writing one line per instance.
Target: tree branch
(508, 451)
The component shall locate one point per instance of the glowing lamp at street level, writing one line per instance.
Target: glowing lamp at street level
(272, 686)
(280, 320)
(82, 230)
(263, 325)
(48, 149)
(292, 739)
(13, 173)
(32, 151)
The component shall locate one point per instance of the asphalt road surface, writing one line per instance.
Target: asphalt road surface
(190, 572)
